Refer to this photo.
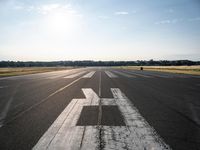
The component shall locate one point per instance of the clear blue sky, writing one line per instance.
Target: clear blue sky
(99, 29)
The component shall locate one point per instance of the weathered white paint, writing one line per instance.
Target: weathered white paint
(89, 75)
(75, 75)
(55, 77)
(100, 85)
(5, 110)
(110, 74)
(157, 74)
(1, 87)
(60, 74)
(162, 76)
(124, 74)
(45, 99)
(140, 75)
(137, 134)
(64, 134)
(150, 75)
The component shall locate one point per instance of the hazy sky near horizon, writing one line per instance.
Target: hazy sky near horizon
(46, 30)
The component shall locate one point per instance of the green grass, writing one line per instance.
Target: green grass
(6, 72)
(193, 70)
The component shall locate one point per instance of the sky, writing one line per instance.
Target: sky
(119, 30)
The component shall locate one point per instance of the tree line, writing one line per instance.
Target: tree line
(97, 63)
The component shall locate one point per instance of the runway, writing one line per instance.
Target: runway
(100, 108)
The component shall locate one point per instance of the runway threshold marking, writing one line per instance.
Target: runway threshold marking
(89, 75)
(64, 133)
(138, 74)
(54, 77)
(110, 74)
(150, 75)
(124, 74)
(160, 75)
(75, 75)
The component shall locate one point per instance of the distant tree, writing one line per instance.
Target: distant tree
(97, 63)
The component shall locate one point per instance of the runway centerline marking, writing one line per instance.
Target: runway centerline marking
(65, 134)
(110, 74)
(100, 85)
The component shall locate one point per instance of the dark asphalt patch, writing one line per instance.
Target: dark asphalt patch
(89, 116)
(111, 116)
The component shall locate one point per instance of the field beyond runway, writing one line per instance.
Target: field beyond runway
(100, 108)
(193, 70)
(15, 71)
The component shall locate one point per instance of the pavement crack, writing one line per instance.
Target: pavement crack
(82, 137)
(101, 145)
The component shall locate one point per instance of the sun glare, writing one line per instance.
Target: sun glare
(60, 22)
(59, 18)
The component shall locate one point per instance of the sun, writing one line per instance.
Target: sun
(60, 22)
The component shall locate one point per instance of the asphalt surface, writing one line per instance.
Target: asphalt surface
(30, 104)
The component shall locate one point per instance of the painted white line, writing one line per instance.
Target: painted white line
(124, 74)
(1, 87)
(100, 85)
(139, 134)
(54, 77)
(141, 75)
(43, 100)
(160, 75)
(75, 75)
(110, 74)
(19, 105)
(195, 109)
(5, 110)
(64, 134)
(150, 75)
(195, 76)
(89, 75)
(100, 106)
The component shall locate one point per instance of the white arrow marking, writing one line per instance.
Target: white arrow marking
(110, 74)
(64, 134)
